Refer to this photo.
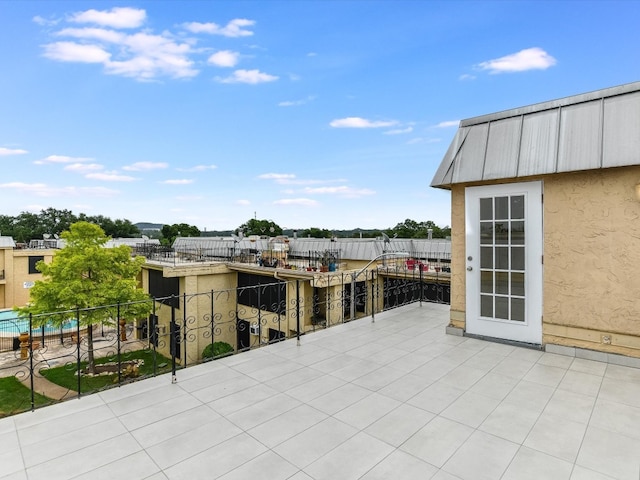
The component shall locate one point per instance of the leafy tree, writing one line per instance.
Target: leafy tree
(171, 232)
(316, 233)
(412, 229)
(260, 227)
(85, 275)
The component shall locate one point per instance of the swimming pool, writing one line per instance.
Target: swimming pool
(11, 325)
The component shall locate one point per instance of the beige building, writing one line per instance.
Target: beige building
(232, 290)
(18, 271)
(546, 223)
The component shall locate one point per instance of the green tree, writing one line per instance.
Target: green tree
(316, 233)
(412, 229)
(84, 276)
(171, 232)
(260, 227)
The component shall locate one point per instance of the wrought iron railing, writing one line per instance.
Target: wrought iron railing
(185, 330)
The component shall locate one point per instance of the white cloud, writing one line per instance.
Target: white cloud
(182, 181)
(232, 29)
(150, 56)
(117, 17)
(63, 159)
(224, 58)
(399, 131)
(42, 190)
(11, 151)
(44, 22)
(448, 124)
(305, 202)
(358, 122)
(101, 34)
(248, 76)
(143, 166)
(340, 190)
(76, 52)
(296, 103)
(198, 168)
(466, 76)
(243, 202)
(276, 176)
(110, 177)
(527, 59)
(83, 167)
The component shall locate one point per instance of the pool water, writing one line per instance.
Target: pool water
(12, 325)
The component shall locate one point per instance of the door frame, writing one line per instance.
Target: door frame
(529, 331)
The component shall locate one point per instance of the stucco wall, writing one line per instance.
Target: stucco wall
(591, 291)
(458, 299)
(592, 260)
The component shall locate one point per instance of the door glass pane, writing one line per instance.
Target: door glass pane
(502, 308)
(486, 209)
(502, 258)
(517, 233)
(502, 208)
(517, 309)
(517, 284)
(502, 283)
(486, 233)
(517, 258)
(517, 207)
(486, 305)
(502, 233)
(486, 257)
(486, 282)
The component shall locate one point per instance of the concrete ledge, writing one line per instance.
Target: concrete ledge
(452, 330)
(587, 354)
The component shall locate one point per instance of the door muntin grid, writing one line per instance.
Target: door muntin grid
(502, 258)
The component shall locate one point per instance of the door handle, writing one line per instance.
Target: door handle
(469, 269)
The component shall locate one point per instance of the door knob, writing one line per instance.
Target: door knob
(469, 269)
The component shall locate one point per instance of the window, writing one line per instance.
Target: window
(32, 263)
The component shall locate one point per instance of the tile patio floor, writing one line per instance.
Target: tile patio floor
(394, 399)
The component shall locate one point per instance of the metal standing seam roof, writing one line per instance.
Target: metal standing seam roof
(7, 242)
(350, 249)
(593, 130)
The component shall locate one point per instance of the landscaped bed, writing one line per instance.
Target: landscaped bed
(66, 376)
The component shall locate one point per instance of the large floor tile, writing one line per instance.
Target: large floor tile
(287, 425)
(511, 422)
(401, 465)
(217, 461)
(437, 441)
(609, 453)
(366, 411)
(481, 457)
(355, 457)
(400, 424)
(436, 397)
(530, 464)
(556, 436)
(315, 442)
(470, 409)
(266, 465)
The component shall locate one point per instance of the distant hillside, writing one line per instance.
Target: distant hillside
(149, 226)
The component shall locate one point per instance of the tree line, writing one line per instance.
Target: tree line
(31, 226)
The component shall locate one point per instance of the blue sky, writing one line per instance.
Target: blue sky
(331, 114)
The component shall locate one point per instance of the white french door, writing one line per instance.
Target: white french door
(504, 261)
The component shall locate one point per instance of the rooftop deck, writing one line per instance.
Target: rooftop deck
(397, 398)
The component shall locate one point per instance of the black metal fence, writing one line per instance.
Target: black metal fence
(180, 331)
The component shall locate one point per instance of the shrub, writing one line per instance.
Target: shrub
(216, 349)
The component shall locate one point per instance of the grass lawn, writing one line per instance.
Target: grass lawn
(65, 376)
(16, 398)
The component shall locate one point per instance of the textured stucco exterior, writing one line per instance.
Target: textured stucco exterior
(592, 260)
(591, 290)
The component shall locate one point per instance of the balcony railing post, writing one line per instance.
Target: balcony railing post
(373, 300)
(33, 396)
(172, 340)
(298, 312)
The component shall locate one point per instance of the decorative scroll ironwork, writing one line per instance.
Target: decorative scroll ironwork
(52, 362)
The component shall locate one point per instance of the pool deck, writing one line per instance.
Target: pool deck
(396, 399)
